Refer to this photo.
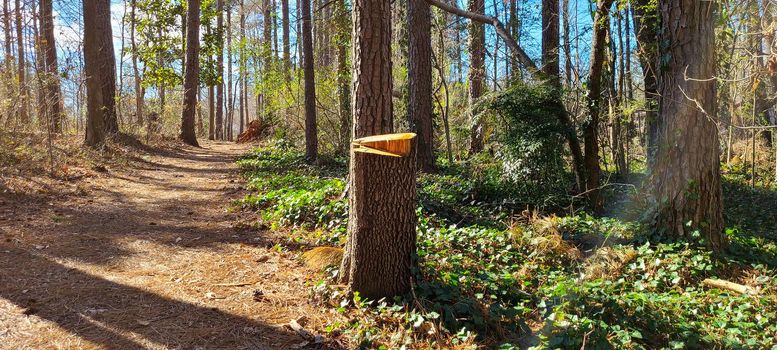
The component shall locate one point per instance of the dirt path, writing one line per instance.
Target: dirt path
(147, 257)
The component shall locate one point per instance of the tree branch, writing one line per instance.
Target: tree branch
(500, 30)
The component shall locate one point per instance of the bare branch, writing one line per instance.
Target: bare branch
(500, 30)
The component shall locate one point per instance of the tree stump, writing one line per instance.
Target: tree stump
(382, 219)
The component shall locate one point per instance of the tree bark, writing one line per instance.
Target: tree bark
(285, 35)
(344, 75)
(53, 101)
(8, 56)
(139, 90)
(419, 74)
(591, 126)
(191, 80)
(229, 125)
(685, 180)
(211, 114)
(311, 137)
(100, 69)
(242, 67)
(21, 67)
(476, 75)
(381, 228)
(550, 41)
(646, 26)
(220, 71)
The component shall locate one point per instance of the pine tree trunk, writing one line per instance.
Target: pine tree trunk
(53, 101)
(100, 69)
(21, 67)
(211, 114)
(476, 75)
(191, 80)
(286, 42)
(344, 75)
(220, 71)
(567, 43)
(242, 68)
(419, 78)
(685, 180)
(139, 90)
(8, 56)
(550, 41)
(381, 228)
(311, 135)
(230, 106)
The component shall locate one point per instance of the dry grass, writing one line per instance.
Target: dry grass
(607, 262)
(320, 258)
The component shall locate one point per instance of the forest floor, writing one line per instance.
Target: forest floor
(147, 254)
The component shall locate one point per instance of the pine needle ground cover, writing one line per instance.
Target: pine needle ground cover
(493, 275)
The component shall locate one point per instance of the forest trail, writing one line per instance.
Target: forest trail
(148, 257)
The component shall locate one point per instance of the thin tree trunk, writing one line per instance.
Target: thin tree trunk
(21, 67)
(344, 75)
(53, 100)
(567, 43)
(191, 80)
(40, 70)
(139, 90)
(220, 71)
(311, 134)
(286, 42)
(100, 69)
(476, 75)
(242, 67)
(211, 114)
(8, 56)
(591, 127)
(646, 26)
(230, 106)
(419, 77)
(550, 41)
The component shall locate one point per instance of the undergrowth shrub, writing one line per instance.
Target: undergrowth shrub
(488, 275)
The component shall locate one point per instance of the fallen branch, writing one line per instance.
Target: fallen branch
(730, 286)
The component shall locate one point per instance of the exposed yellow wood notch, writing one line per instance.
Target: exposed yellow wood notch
(392, 145)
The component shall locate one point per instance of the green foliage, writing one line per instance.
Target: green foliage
(530, 135)
(657, 301)
(287, 193)
(159, 40)
(483, 280)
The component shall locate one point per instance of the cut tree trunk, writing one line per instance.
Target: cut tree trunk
(381, 227)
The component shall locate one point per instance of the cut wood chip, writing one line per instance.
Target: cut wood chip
(234, 284)
(300, 330)
(730, 286)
